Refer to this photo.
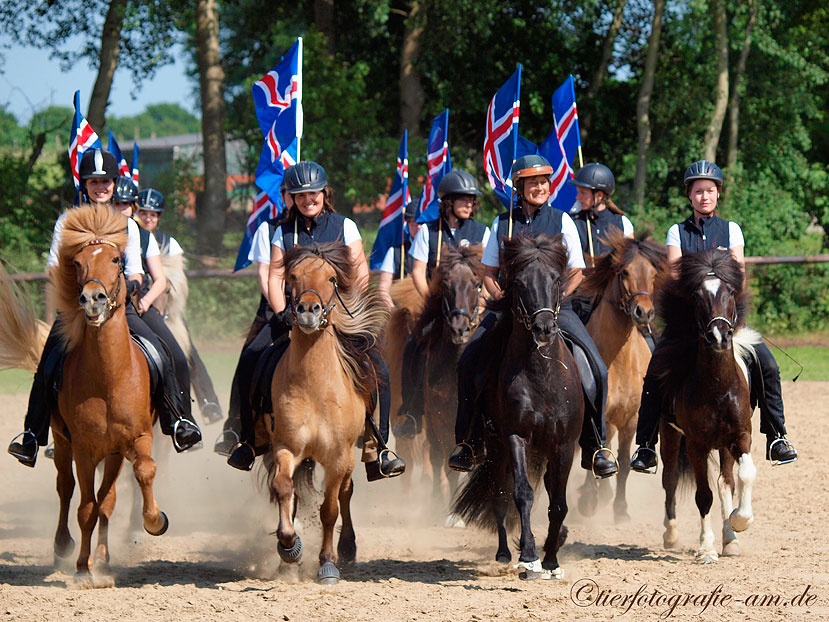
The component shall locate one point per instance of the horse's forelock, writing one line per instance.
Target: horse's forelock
(336, 254)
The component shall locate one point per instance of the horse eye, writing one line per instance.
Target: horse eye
(116, 260)
(625, 273)
(77, 263)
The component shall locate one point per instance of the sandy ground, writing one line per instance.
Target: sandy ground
(218, 560)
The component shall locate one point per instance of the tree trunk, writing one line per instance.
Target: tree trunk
(734, 104)
(110, 49)
(601, 70)
(643, 125)
(712, 132)
(324, 22)
(211, 208)
(411, 90)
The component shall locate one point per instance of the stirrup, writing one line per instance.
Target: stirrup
(23, 435)
(197, 445)
(387, 452)
(593, 462)
(223, 436)
(49, 452)
(786, 442)
(645, 448)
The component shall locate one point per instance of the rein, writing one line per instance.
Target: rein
(111, 293)
(527, 318)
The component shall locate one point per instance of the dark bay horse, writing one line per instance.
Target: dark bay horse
(699, 363)
(322, 388)
(532, 401)
(623, 280)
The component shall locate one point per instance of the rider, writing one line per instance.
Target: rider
(701, 231)
(390, 268)
(150, 210)
(98, 172)
(311, 220)
(456, 225)
(531, 180)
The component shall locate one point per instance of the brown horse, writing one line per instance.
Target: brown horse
(624, 281)
(322, 389)
(699, 363)
(104, 409)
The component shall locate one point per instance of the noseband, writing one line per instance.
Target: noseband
(327, 307)
(626, 297)
(111, 293)
(729, 323)
(449, 314)
(527, 318)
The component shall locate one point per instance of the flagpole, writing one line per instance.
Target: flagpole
(581, 161)
(511, 200)
(300, 113)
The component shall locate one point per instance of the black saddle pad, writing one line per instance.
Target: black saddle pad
(260, 398)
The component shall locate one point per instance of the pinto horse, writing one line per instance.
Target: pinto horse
(104, 410)
(700, 363)
(532, 402)
(623, 280)
(322, 389)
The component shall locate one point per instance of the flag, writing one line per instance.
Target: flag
(501, 137)
(272, 164)
(135, 163)
(114, 149)
(562, 145)
(82, 138)
(263, 209)
(438, 162)
(277, 98)
(390, 232)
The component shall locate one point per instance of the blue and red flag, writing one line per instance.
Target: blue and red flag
(263, 209)
(114, 149)
(390, 233)
(135, 163)
(501, 138)
(562, 145)
(438, 163)
(82, 138)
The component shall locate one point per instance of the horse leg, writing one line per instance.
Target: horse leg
(670, 441)
(87, 516)
(282, 485)
(743, 516)
(725, 486)
(143, 468)
(329, 511)
(106, 503)
(347, 544)
(698, 457)
(555, 481)
(64, 544)
(522, 494)
(620, 504)
(588, 495)
(500, 508)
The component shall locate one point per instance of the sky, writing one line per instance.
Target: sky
(31, 81)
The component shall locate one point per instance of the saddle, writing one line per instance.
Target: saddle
(155, 362)
(587, 374)
(260, 398)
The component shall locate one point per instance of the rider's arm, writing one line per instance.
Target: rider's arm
(383, 287)
(419, 278)
(573, 279)
(491, 281)
(358, 260)
(263, 271)
(276, 279)
(159, 285)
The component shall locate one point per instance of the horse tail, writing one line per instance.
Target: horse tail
(474, 502)
(303, 476)
(177, 294)
(22, 334)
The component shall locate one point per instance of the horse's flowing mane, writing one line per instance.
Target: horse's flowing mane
(357, 335)
(623, 252)
(81, 225)
(450, 258)
(177, 293)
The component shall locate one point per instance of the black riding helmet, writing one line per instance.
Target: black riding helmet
(305, 176)
(703, 169)
(151, 200)
(595, 176)
(98, 164)
(411, 209)
(458, 182)
(125, 191)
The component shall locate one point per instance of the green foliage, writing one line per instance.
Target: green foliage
(157, 120)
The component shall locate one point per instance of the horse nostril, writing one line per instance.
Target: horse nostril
(100, 297)
(316, 308)
(649, 315)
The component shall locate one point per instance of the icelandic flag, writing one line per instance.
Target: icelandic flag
(390, 233)
(501, 138)
(272, 163)
(263, 209)
(438, 162)
(135, 163)
(277, 98)
(562, 145)
(114, 149)
(82, 138)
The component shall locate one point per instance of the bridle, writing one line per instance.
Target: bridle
(327, 307)
(449, 314)
(526, 318)
(625, 302)
(112, 292)
(720, 318)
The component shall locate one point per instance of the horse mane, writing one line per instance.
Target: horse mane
(450, 258)
(405, 296)
(81, 225)
(359, 333)
(177, 293)
(623, 252)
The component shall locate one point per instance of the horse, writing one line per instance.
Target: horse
(623, 280)
(700, 364)
(22, 334)
(532, 403)
(104, 409)
(450, 316)
(322, 389)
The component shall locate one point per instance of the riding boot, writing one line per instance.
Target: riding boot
(779, 449)
(410, 413)
(386, 464)
(644, 459)
(175, 419)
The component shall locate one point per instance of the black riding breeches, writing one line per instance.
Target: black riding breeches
(385, 393)
(157, 325)
(42, 397)
(202, 384)
(468, 367)
(412, 373)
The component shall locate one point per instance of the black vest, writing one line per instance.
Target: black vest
(545, 220)
(601, 223)
(470, 232)
(703, 235)
(408, 259)
(144, 237)
(327, 227)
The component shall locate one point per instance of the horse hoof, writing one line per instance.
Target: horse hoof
(707, 557)
(291, 555)
(731, 549)
(534, 570)
(64, 550)
(83, 580)
(669, 541)
(503, 558)
(163, 529)
(739, 523)
(622, 518)
(328, 574)
(588, 504)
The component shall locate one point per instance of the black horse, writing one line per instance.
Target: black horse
(531, 398)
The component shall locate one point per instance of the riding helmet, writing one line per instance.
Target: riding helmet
(595, 176)
(411, 209)
(530, 166)
(458, 182)
(305, 176)
(150, 200)
(125, 191)
(98, 164)
(703, 169)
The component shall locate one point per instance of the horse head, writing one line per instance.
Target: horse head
(460, 279)
(313, 285)
(99, 267)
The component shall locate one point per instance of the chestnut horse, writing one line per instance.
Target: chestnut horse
(104, 409)
(699, 364)
(322, 389)
(532, 402)
(623, 280)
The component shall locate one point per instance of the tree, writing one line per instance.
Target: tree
(712, 132)
(738, 86)
(411, 89)
(156, 120)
